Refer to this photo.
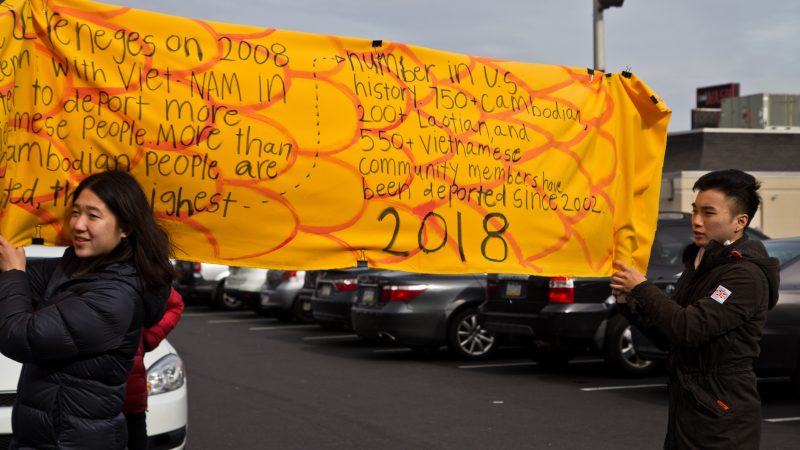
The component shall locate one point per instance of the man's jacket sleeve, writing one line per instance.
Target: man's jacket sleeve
(705, 318)
(636, 319)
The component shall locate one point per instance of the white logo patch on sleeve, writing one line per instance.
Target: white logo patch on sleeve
(721, 293)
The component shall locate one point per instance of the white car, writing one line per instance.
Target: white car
(243, 285)
(167, 415)
(167, 411)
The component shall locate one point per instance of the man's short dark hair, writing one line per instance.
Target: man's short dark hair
(737, 185)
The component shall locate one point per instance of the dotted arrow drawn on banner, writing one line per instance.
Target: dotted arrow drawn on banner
(338, 60)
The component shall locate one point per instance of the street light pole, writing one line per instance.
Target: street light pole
(599, 31)
(599, 37)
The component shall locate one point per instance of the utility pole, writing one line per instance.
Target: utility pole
(599, 31)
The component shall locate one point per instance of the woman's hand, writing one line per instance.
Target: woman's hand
(11, 258)
(626, 279)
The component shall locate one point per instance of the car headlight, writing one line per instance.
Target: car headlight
(166, 375)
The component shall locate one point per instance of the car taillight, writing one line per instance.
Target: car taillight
(288, 274)
(562, 290)
(347, 284)
(402, 293)
(198, 267)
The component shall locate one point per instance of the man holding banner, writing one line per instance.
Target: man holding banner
(714, 322)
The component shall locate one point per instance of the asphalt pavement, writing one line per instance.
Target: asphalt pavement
(256, 383)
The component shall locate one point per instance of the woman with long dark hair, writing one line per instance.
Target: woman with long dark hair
(75, 322)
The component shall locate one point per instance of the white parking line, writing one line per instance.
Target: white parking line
(282, 327)
(586, 361)
(337, 336)
(632, 386)
(217, 314)
(392, 350)
(766, 380)
(249, 319)
(782, 419)
(645, 386)
(487, 366)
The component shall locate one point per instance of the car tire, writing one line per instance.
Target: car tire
(224, 301)
(466, 337)
(619, 351)
(301, 310)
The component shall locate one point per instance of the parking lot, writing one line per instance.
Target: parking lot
(255, 382)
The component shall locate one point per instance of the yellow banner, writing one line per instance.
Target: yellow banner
(270, 148)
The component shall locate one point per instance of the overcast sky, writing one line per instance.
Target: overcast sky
(674, 46)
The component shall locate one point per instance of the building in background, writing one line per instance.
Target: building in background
(761, 111)
(757, 133)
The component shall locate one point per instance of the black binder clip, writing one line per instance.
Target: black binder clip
(627, 72)
(362, 260)
(377, 43)
(37, 236)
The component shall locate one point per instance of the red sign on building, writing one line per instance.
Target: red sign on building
(711, 96)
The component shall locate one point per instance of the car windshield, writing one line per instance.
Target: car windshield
(784, 250)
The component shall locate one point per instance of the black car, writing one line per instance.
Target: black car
(560, 317)
(334, 296)
(424, 312)
(780, 340)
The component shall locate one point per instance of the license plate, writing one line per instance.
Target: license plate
(513, 289)
(368, 296)
(325, 290)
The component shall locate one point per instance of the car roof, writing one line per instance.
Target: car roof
(44, 251)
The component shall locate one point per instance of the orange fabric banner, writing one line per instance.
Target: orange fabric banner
(269, 148)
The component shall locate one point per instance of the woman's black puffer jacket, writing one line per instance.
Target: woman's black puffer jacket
(76, 337)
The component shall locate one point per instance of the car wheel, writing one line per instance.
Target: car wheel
(467, 339)
(225, 301)
(301, 310)
(619, 351)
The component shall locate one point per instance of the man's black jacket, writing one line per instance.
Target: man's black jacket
(713, 324)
